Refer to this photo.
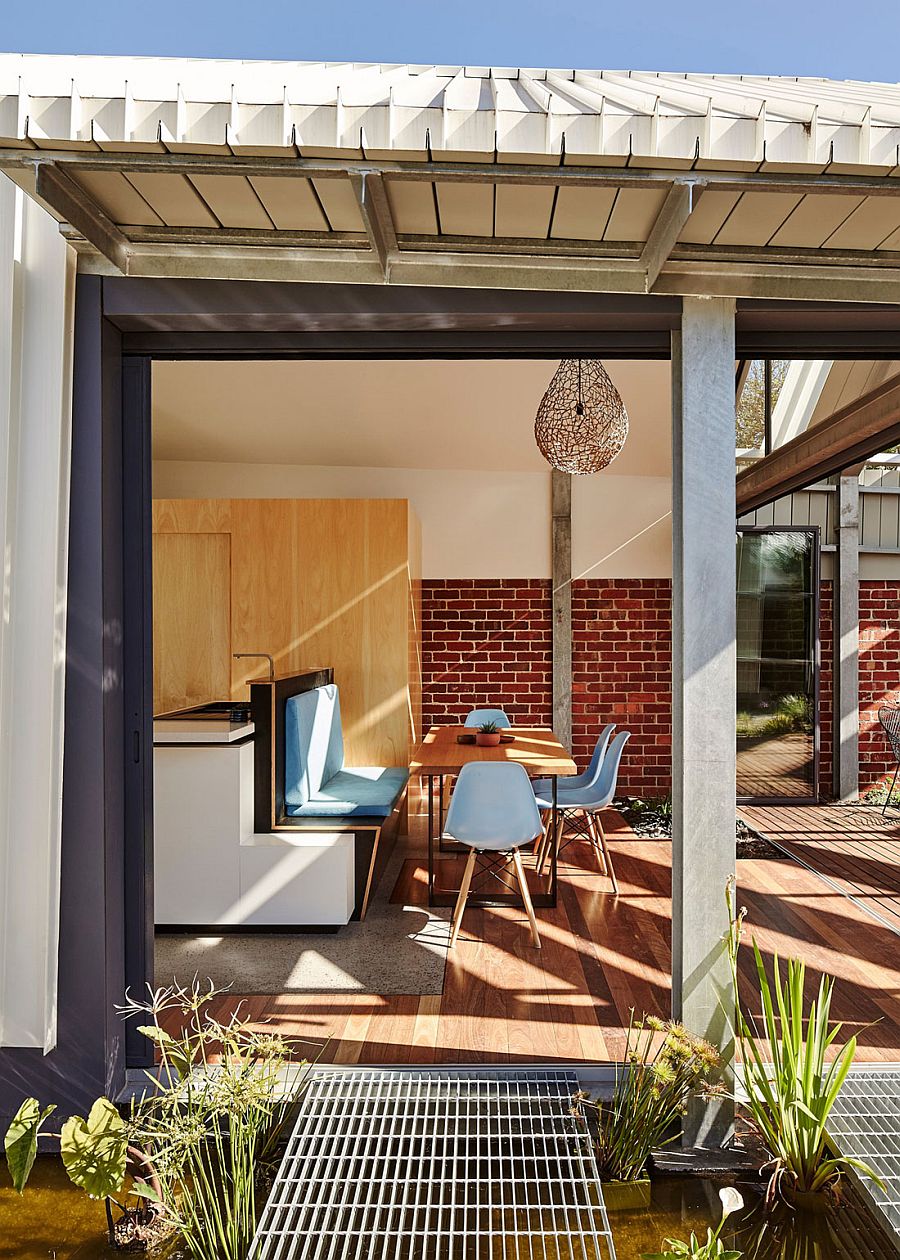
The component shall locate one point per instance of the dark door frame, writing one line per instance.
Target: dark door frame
(816, 583)
(183, 320)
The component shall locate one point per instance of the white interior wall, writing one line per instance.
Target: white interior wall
(454, 437)
(474, 524)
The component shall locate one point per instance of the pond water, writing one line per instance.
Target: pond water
(54, 1221)
(682, 1204)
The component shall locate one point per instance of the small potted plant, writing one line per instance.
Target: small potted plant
(664, 1067)
(488, 735)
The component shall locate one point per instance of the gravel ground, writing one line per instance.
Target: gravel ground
(650, 822)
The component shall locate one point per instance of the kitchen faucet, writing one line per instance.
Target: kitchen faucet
(240, 655)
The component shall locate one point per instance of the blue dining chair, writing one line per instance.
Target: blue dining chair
(587, 802)
(478, 717)
(493, 810)
(543, 788)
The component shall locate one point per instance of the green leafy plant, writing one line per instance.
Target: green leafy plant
(97, 1156)
(664, 1067)
(196, 1148)
(712, 1248)
(488, 728)
(790, 1086)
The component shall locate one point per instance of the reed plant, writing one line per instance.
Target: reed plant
(664, 1067)
(212, 1118)
(792, 1071)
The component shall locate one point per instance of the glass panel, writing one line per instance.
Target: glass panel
(776, 664)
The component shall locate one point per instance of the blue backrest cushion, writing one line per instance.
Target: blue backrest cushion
(314, 743)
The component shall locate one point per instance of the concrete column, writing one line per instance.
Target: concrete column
(703, 680)
(845, 623)
(561, 513)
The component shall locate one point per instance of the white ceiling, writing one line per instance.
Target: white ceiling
(463, 414)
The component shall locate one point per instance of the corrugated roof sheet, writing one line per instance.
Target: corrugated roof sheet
(145, 104)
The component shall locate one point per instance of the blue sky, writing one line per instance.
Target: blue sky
(856, 39)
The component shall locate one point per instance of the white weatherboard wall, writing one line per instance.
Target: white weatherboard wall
(37, 291)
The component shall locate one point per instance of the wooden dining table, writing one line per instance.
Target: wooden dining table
(442, 754)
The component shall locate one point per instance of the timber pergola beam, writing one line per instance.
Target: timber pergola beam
(853, 433)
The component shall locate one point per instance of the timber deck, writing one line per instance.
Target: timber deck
(505, 1002)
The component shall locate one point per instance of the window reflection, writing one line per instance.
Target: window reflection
(777, 616)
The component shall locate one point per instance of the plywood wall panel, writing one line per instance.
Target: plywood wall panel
(326, 582)
(191, 619)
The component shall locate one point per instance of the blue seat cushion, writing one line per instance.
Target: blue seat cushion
(361, 792)
(314, 744)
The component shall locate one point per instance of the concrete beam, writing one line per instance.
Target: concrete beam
(676, 210)
(75, 207)
(845, 630)
(869, 424)
(372, 198)
(703, 682)
(561, 543)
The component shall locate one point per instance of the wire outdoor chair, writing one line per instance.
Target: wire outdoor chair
(889, 718)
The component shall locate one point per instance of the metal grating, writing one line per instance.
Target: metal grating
(431, 1165)
(865, 1123)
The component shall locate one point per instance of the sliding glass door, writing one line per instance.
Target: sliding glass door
(777, 664)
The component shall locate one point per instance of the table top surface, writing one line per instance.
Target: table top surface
(534, 747)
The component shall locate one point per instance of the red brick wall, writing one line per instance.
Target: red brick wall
(879, 674)
(622, 673)
(486, 642)
(825, 658)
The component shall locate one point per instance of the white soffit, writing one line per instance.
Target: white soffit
(673, 121)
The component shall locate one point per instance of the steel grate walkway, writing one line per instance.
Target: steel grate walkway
(435, 1165)
(865, 1122)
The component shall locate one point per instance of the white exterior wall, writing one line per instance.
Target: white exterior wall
(37, 291)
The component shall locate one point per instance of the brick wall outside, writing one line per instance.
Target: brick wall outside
(879, 674)
(488, 642)
(622, 673)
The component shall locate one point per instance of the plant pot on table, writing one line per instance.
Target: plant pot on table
(487, 739)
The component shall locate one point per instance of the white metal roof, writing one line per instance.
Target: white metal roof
(463, 175)
(674, 120)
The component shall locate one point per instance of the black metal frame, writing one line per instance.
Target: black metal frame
(817, 665)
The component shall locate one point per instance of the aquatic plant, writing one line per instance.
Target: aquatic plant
(196, 1147)
(790, 1088)
(213, 1117)
(664, 1067)
(712, 1248)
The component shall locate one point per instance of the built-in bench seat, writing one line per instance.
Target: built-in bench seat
(363, 792)
(316, 782)
(321, 794)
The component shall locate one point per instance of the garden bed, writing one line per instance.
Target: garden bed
(652, 820)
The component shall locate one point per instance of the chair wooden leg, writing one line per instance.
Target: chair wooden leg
(549, 840)
(606, 853)
(526, 897)
(461, 899)
(595, 842)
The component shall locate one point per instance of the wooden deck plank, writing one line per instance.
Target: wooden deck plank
(504, 1001)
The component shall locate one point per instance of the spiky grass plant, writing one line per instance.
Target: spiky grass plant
(790, 1086)
(664, 1067)
(212, 1117)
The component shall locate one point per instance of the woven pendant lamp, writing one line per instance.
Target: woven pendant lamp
(581, 424)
